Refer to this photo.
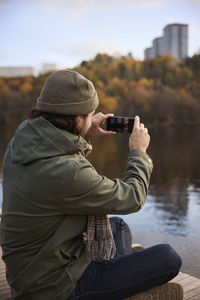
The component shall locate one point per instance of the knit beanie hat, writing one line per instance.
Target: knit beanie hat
(68, 93)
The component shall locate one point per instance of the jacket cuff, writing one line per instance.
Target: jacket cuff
(142, 154)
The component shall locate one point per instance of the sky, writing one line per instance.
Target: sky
(64, 32)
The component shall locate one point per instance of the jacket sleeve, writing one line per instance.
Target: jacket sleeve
(87, 192)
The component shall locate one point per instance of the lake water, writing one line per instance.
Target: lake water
(172, 210)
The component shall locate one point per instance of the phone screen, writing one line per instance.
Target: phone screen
(120, 124)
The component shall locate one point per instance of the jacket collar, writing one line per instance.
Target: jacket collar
(38, 138)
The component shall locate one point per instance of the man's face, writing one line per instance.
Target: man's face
(85, 123)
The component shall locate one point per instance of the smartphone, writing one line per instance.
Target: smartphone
(120, 124)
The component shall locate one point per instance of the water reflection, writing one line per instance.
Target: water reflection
(172, 199)
(176, 154)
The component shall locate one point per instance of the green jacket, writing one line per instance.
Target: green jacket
(47, 194)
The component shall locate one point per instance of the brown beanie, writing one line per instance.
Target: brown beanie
(68, 93)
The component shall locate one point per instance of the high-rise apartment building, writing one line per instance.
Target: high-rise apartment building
(148, 54)
(157, 48)
(174, 41)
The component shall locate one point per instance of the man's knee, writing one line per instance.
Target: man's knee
(170, 256)
(118, 223)
(122, 235)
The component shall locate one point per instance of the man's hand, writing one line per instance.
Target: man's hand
(95, 130)
(139, 138)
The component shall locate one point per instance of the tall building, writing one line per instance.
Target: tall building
(157, 47)
(148, 53)
(174, 41)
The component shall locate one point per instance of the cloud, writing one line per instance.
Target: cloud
(92, 47)
(78, 7)
(4, 3)
(88, 50)
(192, 1)
(82, 6)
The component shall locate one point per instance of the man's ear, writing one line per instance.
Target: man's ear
(79, 122)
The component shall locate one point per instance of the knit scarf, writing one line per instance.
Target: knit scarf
(100, 241)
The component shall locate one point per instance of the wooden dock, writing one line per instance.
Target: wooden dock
(4, 288)
(191, 285)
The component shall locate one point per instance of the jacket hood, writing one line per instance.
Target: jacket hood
(37, 138)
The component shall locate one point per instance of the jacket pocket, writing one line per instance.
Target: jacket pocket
(71, 251)
(76, 268)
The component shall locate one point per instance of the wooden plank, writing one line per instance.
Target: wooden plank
(2, 270)
(5, 290)
(188, 280)
(180, 277)
(191, 285)
(193, 293)
(4, 287)
(195, 297)
(5, 293)
(2, 276)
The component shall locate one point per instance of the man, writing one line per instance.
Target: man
(56, 237)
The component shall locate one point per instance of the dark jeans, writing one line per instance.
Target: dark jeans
(129, 273)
